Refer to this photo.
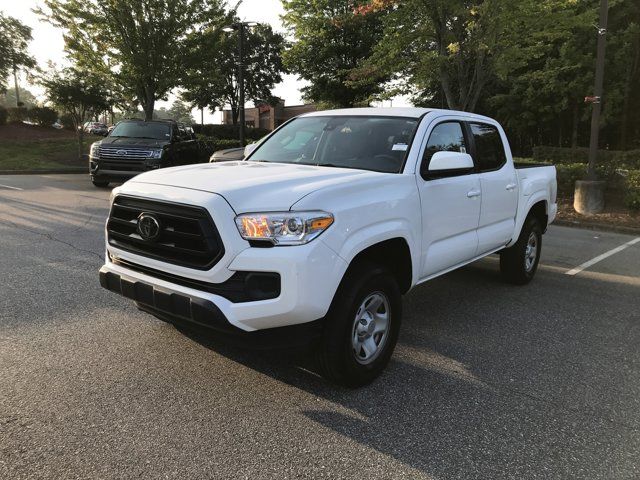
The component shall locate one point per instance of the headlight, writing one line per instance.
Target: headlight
(156, 154)
(283, 228)
(95, 150)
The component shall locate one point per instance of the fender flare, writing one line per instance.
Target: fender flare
(376, 233)
(533, 199)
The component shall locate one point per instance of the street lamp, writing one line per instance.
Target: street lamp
(240, 28)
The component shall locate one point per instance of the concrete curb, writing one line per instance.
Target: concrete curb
(71, 170)
(598, 226)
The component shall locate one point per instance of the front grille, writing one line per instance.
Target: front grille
(188, 237)
(125, 153)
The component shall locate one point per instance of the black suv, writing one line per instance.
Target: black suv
(135, 146)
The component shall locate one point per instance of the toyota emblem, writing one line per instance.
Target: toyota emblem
(121, 152)
(148, 227)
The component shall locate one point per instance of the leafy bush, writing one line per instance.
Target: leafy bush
(3, 115)
(632, 198)
(612, 159)
(229, 132)
(17, 114)
(43, 116)
(567, 175)
(207, 146)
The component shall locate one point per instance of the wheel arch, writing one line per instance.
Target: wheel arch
(538, 205)
(393, 254)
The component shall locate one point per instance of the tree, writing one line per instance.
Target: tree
(139, 42)
(78, 95)
(15, 37)
(332, 40)
(179, 111)
(440, 49)
(544, 65)
(10, 99)
(210, 78)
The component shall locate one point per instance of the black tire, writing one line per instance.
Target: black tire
(100, 183)
(516, 263)
(337, 357)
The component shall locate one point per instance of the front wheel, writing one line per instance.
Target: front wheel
(362, 327)
(100, 183)
(518, 263)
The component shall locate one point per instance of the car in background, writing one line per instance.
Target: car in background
(136, 146)
(95, 128)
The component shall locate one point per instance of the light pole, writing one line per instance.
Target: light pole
(589, 193)
(240, 28)
(597, 99)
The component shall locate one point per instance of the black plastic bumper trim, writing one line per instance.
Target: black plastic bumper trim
(237, 289)
(175, 304)
(204, 316)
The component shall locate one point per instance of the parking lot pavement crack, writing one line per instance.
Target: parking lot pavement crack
(52, 238)
(589, 411)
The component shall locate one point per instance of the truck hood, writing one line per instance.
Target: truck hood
(122, 142)
(252, 186)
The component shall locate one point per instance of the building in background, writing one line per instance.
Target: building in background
(269, 117)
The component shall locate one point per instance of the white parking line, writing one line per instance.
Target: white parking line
(8, 186)
(599, 258)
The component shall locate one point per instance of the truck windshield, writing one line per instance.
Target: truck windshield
(368, 143)
(156, 131)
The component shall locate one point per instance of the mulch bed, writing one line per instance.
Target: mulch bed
(614, 215)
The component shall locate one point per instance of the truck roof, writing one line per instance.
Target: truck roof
(406, 112)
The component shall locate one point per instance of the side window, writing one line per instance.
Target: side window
(489, 148)
(446, 136)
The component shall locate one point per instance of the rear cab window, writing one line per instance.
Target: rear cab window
(489, 151)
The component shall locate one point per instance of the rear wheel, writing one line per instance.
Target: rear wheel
(362, 327)
(518, 263)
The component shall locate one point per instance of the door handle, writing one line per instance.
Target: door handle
(512, 186)
(473, 193)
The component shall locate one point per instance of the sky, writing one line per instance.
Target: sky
(48, 45)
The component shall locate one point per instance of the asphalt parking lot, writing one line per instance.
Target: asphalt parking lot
(488, 381)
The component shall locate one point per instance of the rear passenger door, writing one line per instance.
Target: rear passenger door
(450, 203)
(499, 187)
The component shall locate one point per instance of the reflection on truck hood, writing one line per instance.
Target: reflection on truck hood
(251, 186)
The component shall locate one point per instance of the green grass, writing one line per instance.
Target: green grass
(42, 154)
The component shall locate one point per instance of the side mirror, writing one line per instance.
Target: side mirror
(249, 148)
(449, 164)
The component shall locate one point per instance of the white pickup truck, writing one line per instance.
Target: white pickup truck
(318, 233)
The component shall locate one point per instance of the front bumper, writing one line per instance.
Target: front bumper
(309, 276)
(118, 170)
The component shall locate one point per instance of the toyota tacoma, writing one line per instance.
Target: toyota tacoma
(316, 235)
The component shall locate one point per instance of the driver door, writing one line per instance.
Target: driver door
(450, 204)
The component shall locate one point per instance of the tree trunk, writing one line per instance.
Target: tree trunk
(149, 103)
(235, 112)
(80, 133)
(202, 116)
(446, 88)
(15, 82)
